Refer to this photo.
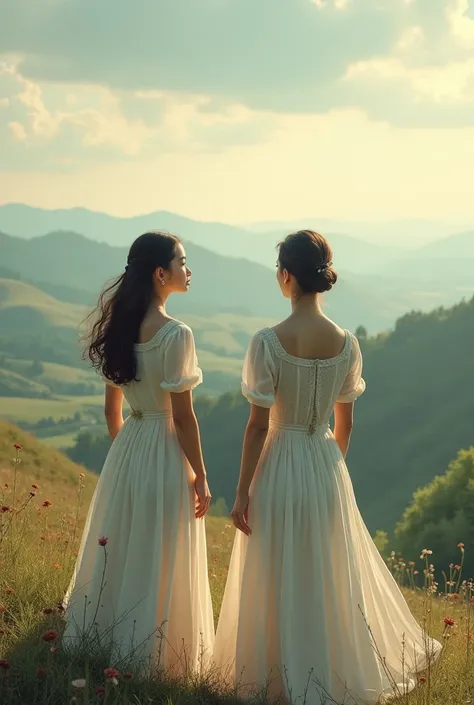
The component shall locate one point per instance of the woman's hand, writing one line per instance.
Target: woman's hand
(203, 496)
(239, 513)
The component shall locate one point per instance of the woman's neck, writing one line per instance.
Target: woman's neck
(306, 303)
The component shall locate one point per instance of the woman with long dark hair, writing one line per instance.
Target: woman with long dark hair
(310, 611)
(141, 580)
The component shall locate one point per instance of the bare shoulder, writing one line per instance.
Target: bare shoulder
(311, 337)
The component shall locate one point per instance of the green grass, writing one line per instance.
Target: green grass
(32, 410)
(37, 554)
(19, 295)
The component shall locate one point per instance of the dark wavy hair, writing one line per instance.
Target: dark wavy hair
(122, 306)
(307, 256)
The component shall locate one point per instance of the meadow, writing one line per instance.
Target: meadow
(44, 499)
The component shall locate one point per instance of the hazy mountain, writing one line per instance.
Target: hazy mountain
(396, 235)
(220, 284)
(352, 254)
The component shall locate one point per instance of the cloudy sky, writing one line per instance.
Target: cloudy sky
(240, 110)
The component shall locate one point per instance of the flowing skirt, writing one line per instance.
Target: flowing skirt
(146, 591)
(311, 611)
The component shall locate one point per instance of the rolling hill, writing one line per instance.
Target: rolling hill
(219, 285)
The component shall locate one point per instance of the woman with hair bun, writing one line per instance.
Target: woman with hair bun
(311, 612)
(148, 597)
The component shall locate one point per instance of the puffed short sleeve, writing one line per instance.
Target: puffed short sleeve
(181, 371)
(354, 384)
(258, 377)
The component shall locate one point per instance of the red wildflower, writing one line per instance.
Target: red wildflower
(9, 591)
(460, 545)
(457, 567)
(100, 690)
(449, 621)
(50, 635)
(127, 676)
(110, 673)
(47, 503)
(35, 486)
(17, 446)
(103, 541)
(422, 679)
(5, 509)
(6, 485)
(4, 665)
(41, 673)
(32, 494)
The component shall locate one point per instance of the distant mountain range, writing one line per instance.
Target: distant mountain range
(63, 262)
(378, 284)
(351, 253)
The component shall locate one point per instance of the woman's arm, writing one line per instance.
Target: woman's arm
(254, 441)
(343, 422)
(187, 430)
(113, 409)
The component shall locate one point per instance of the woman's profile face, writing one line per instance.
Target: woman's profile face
(178, 277)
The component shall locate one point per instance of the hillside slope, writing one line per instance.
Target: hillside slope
(22, 305)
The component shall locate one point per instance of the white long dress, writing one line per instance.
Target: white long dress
(155, 603)
(303, 588)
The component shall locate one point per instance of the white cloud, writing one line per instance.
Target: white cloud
(17, 131)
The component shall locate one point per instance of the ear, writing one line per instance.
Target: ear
(286, 276)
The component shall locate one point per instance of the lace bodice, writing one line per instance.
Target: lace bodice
(166, 363)
(300, 392)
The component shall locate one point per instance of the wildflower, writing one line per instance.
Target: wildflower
(47, 503)
(449, 621)
(5, 508)
(43, 538)
(53, 649)
(100, 690)
(82, 475)
(41, 673)
(411, 564)
(103, 541)
(3, 609)
(9, 591)
(17, 446)
(50, 635)
(32, 494)
(422, 679)
(57, 566)
(4, 664)
(457, 567)
(111, 673)
(79, 683)
(35, 486)
(6, 485)
(426, 552)
(127, 676)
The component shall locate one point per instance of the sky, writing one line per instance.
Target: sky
(240, 110)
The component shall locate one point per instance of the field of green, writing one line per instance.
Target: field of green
(32, 410)
(37, 554)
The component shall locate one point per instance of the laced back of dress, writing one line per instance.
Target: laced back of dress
(306, 390)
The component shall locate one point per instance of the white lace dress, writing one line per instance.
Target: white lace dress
(303, 588)
(153, 600)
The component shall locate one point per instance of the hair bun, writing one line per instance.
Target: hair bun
(307, 256)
